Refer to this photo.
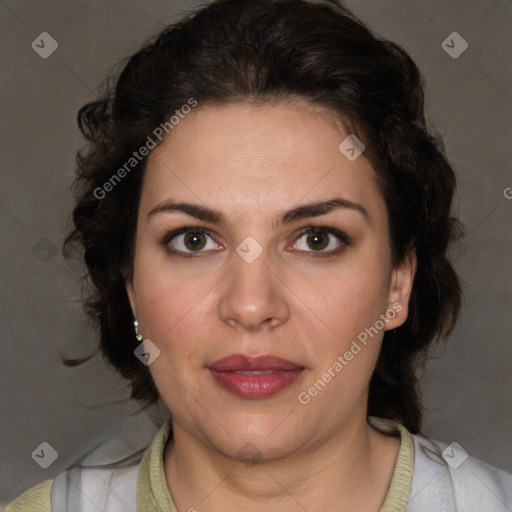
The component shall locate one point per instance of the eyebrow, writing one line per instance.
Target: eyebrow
(303, 211)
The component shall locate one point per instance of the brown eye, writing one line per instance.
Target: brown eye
(195, 241)
(189, 240)
(317, 240)
(324, 241)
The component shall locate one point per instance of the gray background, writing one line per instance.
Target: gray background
(467, 389)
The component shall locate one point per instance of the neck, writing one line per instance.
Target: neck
(350, 471)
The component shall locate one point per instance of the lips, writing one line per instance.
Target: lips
(254, 377)
(239, 362)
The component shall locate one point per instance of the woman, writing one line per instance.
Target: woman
(265, 220)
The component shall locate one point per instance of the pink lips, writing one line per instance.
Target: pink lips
(254, 377)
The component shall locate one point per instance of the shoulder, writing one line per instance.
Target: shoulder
(105, 478)
(88, 489)
(36, 499)
(82, 489)
(445, 477)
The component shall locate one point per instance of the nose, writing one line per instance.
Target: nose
(253, 297)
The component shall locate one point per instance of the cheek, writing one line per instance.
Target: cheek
(171, 312)
(172, 309)
(163, 308)
(345, 356)
(348, 299)
(345, 344)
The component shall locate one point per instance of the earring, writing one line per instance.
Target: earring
(138, 335)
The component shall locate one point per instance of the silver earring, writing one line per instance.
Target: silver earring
(138, 335)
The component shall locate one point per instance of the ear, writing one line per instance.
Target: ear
(400, 290)
(131, 296)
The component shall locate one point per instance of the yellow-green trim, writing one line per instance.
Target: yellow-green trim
(400, 486)
(153, 494)
(36, 499)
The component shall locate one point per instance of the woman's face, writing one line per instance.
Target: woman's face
(285, 271)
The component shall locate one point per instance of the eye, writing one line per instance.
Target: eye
(321, 240)
(190, 240)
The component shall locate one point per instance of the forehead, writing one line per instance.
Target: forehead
(247, 158)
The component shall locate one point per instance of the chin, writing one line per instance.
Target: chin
(253, 451)
(259, 440)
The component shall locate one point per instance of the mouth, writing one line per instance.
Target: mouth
(254, 377)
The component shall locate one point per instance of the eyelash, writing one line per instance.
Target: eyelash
(342, 237)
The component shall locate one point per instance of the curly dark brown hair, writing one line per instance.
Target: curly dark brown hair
(266, 51)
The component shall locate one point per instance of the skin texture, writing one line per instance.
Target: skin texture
(253, 163)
